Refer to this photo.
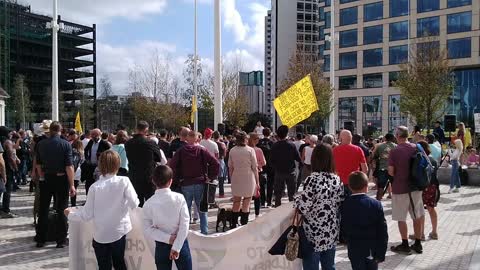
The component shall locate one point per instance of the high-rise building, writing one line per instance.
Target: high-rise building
(251, 86)
(269, 90)
(26, 49)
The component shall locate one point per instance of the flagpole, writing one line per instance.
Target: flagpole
(195, 83)
(55, 62)
(218, 112)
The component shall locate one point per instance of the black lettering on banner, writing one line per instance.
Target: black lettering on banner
(136, 245)
(276, 263)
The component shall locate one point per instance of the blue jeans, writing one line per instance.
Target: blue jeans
(221, 177)
(325, 258)
(455, 177)
(195, 192)
(162, 257)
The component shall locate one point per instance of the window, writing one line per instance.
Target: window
(328, 3)
(346, 1)
(328, 20)
(426, 48)
(374, 80)
(398, 8)
(300, 6)
(348, 60)
(348, 38)
(459, 48)
(399, 31)
(373, 11)
(427, 5)
(393, 77)
(347, 111)
(395, 117)
(372, 115)
(326, 63)
(373, 34)
(347, 82)
(398, 54)
(373, 57)
(321, 13)
(348, 16)
(428, 27)
(459, 22)
(458, 3)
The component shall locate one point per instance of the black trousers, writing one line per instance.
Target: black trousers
(53, 186)
(361, 262)
(280, 180)
(270, 185)
(88, 171)
(110, 253)
(144, 189)
(8, 191)
(260, 201)
(73, 200)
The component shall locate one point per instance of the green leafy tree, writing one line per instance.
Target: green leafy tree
(21, 101)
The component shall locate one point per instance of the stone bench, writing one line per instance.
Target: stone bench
(473, 176)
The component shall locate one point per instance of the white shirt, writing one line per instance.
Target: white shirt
(93, 152)
(308, 155)
(85, 142)
(166, 214)
(298, 144)
(211, 146)
(108, 202)
(163, 158)
(259, 130)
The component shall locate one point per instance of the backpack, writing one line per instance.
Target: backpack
(421, 169)
(266, 145)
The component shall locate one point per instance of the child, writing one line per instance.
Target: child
(364, 225)
(108, 202)
(166, 220)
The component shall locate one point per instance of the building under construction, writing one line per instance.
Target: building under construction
(26, 49)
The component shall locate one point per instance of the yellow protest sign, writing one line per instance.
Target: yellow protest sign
(297, 103)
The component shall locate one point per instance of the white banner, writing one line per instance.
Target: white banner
(476, 117)
(245, 248)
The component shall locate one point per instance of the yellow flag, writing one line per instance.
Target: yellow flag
(194, 109)
(78, 124)
(297, 103)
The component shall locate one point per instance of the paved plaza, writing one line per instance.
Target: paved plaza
(457, 248)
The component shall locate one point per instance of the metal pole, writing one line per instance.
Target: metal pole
(218, 118)
(408, 33)
(332, 66)
(23, 105)
(55, 28)
(195, 83)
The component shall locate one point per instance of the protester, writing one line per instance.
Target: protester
(260, 198)
(94, 148)
(266, 144)
(364, 225)
(307, 158)
(299, 143)
(283, 156)
(435, 151)
(461, 132)
(72, 135)
(381, 155)
(319, 204)
(179, 142)
(54, 162)
(105, 136)
(14, 161)
(455, 159)
(330, 140)
(208, 143)
(108, 203)
(404, 199)
(439, 130)
(23, 154)
(78, 157)
(164, 144)
(170, 234)
(86, 138)
(193, 166)
(8, 179)
(119, 146)
(222, 151)
(357, 141)
(143, 155)
(259, 129)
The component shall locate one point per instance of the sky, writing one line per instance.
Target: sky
(129, 31)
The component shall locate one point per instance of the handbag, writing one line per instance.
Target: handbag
(293, 240)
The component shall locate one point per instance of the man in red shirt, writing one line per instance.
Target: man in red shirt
(348, 157)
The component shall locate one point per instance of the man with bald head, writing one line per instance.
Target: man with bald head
(94, 148)
(348, 157)
(179, 142)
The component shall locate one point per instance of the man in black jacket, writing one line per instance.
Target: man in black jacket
(143, 155)
(94, 148)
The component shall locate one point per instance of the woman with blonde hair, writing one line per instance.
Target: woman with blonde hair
(455, 157)
(461, 132)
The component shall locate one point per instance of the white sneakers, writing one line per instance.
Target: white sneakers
(453, 190)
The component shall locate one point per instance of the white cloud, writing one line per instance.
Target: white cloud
(232, 20)
(100, 11)
(244, 59)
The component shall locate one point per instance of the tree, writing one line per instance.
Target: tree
(253, 118)
(204, 86)
(425, 83)
(301, 64)
(21, 101)
(106, 89)
(235, 106)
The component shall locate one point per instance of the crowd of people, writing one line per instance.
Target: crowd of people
(326, 177)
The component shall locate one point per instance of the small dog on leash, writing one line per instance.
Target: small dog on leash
(224, 214)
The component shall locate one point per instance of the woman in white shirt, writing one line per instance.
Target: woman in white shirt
(455, 157)
(307, 157)
(108, 202)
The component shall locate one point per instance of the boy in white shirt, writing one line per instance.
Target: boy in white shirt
(108, 202)
(166, 220)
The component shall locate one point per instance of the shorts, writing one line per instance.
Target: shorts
(401, 206)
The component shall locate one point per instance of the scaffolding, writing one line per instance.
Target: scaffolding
(5, 81)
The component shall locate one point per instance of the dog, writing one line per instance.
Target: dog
(224, 214)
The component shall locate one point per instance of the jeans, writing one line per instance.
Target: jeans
(455, 177)
(325, 258)
(260, 201)
(162, 257)
(8, 192)
(56, 186)
(110, 252)
(195, 192)
(221, 177)
(280, 180)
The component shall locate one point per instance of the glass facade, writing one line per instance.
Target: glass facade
(398, 8)
(398, 31)
(427, 5)
(467, 95)
(328, 20)
(428, 26)
(372, 12)
(374, 80)
(393, 77)
(373, 34)
(458, 3)
(326, 63)
(459, 48)
(395, 117)
(459, 22)
(348, 16)
(348, 60)
(347, 111)
(372, 115)
(373, 57)
(348, 38)
(398, 54)
(346, 1)
(347, 82)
